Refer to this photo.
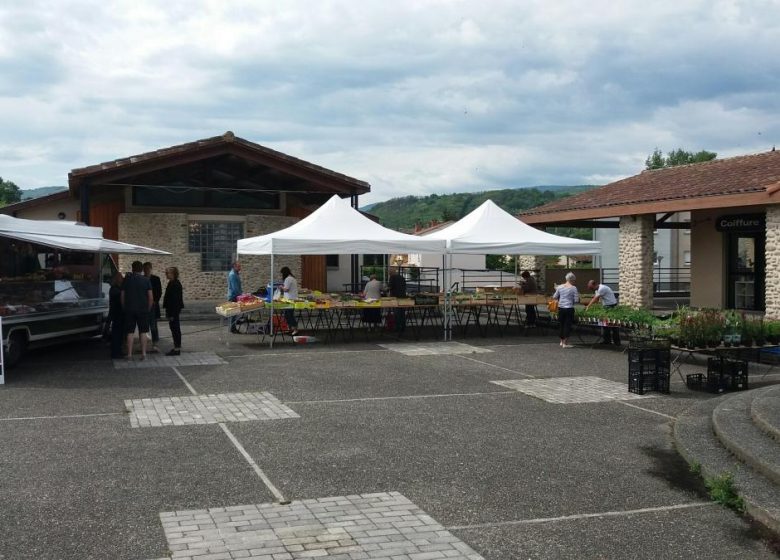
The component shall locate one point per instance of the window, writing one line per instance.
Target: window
(332, 261)
(373, 260)
(216, 243)
(186, 197)
(687, 258)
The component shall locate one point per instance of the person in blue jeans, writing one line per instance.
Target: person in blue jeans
(234, 289)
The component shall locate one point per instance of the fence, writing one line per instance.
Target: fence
(669, 282)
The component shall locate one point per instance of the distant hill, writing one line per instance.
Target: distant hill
(404, 212)
(27, 194)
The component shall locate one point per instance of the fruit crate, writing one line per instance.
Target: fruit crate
(649, 370)
(726, 374)
(694, 381)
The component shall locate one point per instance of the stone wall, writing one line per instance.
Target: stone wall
(533, 263)
(772, 251)
(170, 232)
(636, 261)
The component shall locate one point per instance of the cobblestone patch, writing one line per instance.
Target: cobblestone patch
(570, 390)
(206, 409)
(434, 348)
(161, 360)
(383, 525)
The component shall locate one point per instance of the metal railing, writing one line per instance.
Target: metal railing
(670, 282)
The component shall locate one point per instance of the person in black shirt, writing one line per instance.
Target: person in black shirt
(154, 314)
(137, 301)
(116, 315)
(396, 285)
(173, 302)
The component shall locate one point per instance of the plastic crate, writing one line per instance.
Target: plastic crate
(694, 380)
(649, 370)
(726, 374)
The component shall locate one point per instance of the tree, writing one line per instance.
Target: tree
(9, 192)
(656, 160)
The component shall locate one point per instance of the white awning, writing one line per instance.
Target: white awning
(337, 228)
(493, 231)
(67, 235)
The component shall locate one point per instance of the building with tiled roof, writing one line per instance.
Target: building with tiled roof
(195, 200)
(734, 206)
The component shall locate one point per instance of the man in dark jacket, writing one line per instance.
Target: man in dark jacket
(137, 301)
(155, 312)
(396, 285)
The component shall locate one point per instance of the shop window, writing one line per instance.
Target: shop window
(216, 243)
(187, 197)
(687, 258)
(332, 261)
(373, 260)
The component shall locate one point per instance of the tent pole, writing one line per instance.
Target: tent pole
(271, 320)
(444, 288)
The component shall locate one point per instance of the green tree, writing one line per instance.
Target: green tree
(656, 160)
(9, 192)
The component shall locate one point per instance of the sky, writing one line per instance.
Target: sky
(414, 96)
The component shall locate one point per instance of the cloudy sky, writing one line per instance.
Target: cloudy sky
(414, 96)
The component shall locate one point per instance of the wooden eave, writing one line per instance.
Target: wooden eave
(756, 198)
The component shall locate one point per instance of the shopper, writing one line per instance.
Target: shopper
(234, 290)
(529, 288)
(173, 302)
(116, 316)
(605, 295)
(372, 291)
(137, 301)
(154, 314)
(396, 285)
(289, 289)
(567, 295)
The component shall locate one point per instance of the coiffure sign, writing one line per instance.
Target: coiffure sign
(741, 223)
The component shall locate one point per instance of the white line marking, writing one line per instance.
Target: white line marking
(493, 365)
(579, 516)
(267, 481)
(647, 410)
(186, 383)
(402, 397)
(298, 354)
(64, 416)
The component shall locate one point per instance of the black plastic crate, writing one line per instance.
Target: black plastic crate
(648, 342)
(648, 370)
(726, 374)
(694, 380)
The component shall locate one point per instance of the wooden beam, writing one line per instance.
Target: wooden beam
(760, 198)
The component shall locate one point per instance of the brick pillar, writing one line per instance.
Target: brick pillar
(772, 252)
(636, 261)
(532, 263)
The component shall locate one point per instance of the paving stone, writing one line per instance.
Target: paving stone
(206, 409)
(571, 390)
(341, 527)
(161, 360)
(434, 348)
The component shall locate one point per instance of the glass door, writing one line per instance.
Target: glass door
(746, 271)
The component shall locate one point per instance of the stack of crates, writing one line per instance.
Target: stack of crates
(726, 374)
(649, 366)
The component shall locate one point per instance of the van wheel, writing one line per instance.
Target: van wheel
(17, 345)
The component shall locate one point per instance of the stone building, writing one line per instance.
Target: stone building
(734, 206)
(195, 200)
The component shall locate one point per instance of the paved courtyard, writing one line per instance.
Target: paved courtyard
(495, 448)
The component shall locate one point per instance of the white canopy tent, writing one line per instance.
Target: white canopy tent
(336, 228)
(491, 230)
(67, 235)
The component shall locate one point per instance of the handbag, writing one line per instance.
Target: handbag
(552, 306)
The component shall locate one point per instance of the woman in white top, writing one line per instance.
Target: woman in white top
(567, 295)
(290, 290)
(372, 291)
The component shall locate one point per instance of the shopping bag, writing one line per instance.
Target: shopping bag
(552, 306)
